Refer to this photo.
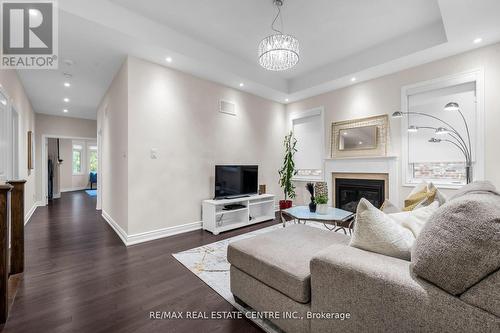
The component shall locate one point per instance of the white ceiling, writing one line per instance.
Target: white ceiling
(218, 39)
(328, 30)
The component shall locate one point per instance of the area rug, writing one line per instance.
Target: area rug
(91, 193)
(209, 263)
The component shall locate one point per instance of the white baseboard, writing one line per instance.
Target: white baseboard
(73, 189)
(148, 236)
(56, 196)
(30, 213)
(162, 233)
(115, 226)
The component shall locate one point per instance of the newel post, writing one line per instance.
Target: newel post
(4, 248)
(17, 227)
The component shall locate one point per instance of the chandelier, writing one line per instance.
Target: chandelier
(278, 52)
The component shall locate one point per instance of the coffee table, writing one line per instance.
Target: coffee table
(334, 217)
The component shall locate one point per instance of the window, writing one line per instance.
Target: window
(442, 162)
(309, 130)
(77, 159)
(92, 158)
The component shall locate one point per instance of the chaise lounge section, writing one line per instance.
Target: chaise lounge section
(305, 270)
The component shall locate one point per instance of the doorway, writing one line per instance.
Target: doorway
(70, 165)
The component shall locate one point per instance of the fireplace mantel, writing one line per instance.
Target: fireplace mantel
(365, 165)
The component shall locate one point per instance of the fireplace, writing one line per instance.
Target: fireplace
(348, 191)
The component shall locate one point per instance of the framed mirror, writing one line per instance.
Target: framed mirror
(358, 138)
(364, 137)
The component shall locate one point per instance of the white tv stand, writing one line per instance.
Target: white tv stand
(258, 208)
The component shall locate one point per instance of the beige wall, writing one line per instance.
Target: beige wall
(70, 182)
(112, 117)
(383, 96)
(11, 83)
(177, 114)
(60, 127)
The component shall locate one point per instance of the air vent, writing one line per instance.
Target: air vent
(227, 107)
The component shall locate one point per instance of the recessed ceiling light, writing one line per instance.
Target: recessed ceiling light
(168, 59)
(477, 40)
(66, 100)
(286, 99)
(353, 79)
(65, 110)
(242, 84)
(67, 84)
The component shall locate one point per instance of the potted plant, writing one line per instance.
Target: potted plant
(322, 204)
(312, 204)
(288, 171)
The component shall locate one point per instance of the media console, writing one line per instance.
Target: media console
(256, 209)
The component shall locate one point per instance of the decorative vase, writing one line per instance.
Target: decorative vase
(312, 207)
(285, 204)
(322, 209)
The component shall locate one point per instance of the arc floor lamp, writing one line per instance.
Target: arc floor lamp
(450, 134)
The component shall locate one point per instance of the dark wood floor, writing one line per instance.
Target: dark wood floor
(80, 277)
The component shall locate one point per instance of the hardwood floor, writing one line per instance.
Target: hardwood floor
(79, 277)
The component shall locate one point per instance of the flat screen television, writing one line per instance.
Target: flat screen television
(233, 181)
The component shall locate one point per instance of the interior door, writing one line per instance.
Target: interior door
(4, 137)
(15, 144)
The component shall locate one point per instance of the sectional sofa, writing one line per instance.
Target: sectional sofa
(451, 284)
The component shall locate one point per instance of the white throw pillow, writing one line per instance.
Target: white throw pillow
(389, 234)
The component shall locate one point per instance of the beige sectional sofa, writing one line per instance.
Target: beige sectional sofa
(311, 272)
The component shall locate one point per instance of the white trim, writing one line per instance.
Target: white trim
(476, 76)
(56, 196)
(162, 233)
(30, 213)
(143, 237)
(115, 226)
(320, 110)
(73, 189)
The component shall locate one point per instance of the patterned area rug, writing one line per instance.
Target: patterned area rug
(209, 263)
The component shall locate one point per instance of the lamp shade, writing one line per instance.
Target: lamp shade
(452, 106)
(279, 52)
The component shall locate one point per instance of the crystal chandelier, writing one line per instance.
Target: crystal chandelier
(278, 52)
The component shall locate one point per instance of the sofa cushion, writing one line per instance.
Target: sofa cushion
(460, 245)
(485, 294)
(389, 234)
(280, 259)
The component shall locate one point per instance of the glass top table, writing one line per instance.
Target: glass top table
(334, 217)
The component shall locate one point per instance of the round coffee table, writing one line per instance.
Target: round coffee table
(334, 217)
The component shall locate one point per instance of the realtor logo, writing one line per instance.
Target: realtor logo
(29, 34)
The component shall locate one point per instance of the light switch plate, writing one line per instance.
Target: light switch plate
(154, 153)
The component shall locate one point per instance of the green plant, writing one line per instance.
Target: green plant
(322, 199)
(288, 170)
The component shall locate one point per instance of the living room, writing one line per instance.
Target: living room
(286, 166)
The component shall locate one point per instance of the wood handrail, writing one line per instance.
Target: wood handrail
(4, 248)
(17, 227)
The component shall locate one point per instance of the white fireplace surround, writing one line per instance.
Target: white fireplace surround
(386, 164)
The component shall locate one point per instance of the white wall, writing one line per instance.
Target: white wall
(112, 118)
(69, 181)
(177, 114)
(383, 96)
(11, 83)
(58, 127)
